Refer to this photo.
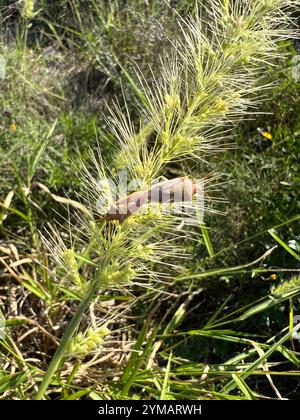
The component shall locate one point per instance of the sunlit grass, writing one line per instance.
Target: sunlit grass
(163, 309)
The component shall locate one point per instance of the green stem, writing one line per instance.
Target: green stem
(283, 244)
(207, 240)
(71, 329)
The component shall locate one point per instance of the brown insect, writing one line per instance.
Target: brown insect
(178, 190)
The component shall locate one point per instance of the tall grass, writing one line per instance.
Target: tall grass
(144, 304)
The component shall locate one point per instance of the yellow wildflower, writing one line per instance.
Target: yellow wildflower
(267, 135)
(13, 127)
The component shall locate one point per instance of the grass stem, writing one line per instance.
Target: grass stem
(70, 331)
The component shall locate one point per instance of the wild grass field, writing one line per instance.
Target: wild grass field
(197, 299)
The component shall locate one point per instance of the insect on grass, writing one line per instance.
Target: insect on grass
(178, 190)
